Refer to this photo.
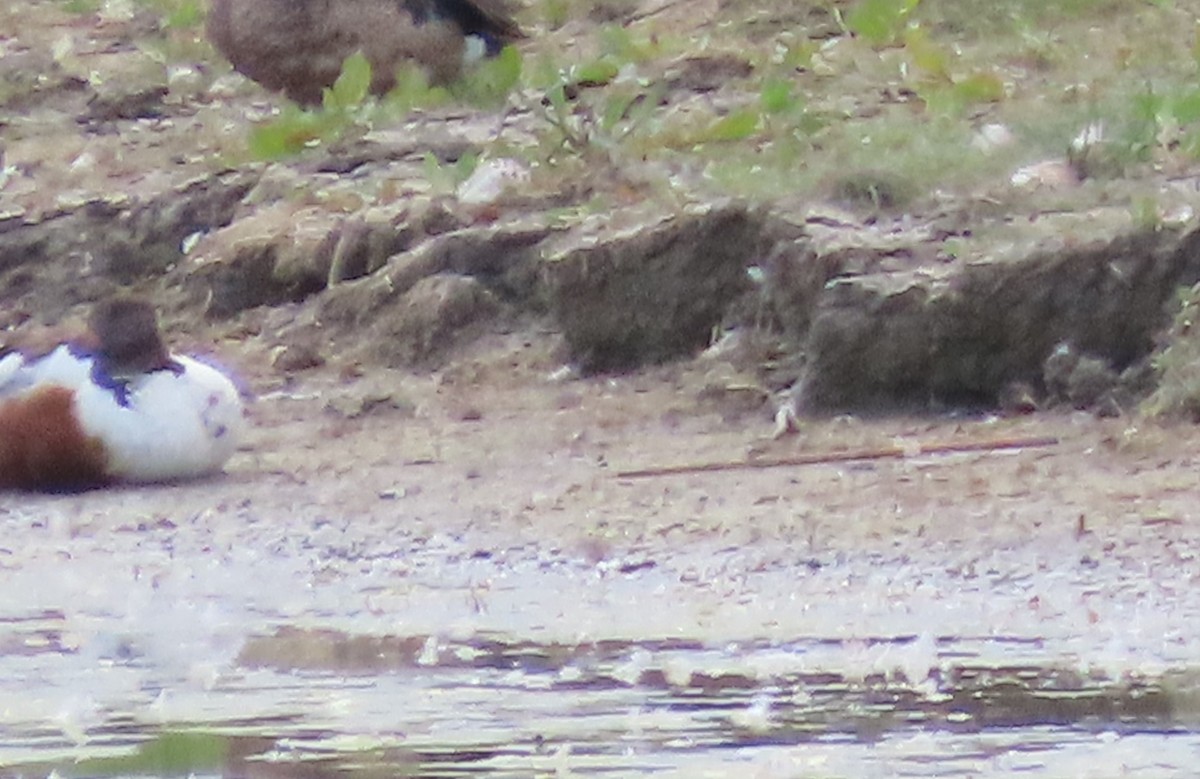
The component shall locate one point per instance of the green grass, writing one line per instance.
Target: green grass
(885, 111)
(813, 120)
(176, 14)
(1130, 65)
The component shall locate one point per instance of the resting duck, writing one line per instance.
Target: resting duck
(298, 46)
(113, 406)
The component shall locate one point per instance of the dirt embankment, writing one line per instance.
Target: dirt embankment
(351, 260)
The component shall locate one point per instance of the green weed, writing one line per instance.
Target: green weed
(81, 6)
(444, 178)
(1145, 213)
(178, 14)
(554, 13)
(348, 107)
(880, 22)
(344, 105)
(945, 92)
(489, 83)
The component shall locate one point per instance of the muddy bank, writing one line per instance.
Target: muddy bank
(377, 251)
(878, 315)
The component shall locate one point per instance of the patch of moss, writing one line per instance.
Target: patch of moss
(1177, 363)
(174, 753)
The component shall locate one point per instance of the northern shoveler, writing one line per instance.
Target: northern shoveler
(113, 405)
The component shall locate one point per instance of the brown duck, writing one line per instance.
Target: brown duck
(298, 46)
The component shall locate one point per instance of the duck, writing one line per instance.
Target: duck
(113, 405)
(298, 46)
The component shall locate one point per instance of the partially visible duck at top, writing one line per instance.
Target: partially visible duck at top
(113, 405)
(298, 46)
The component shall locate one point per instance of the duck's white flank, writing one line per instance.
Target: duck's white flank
(174, 426)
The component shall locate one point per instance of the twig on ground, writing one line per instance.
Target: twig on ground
(852, 455)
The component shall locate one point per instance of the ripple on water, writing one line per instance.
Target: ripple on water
(917, 660)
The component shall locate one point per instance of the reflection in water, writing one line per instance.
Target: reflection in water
(284, 657)
(376, 706)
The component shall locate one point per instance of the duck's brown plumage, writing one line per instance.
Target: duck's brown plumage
(298, 46)
(43, 446)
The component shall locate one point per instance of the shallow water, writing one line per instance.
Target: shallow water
(191, 647)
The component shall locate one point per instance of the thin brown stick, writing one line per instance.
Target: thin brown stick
(853, 455)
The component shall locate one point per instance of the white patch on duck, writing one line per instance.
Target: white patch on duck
(9, 365)
(61, 367)
(174, 423)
